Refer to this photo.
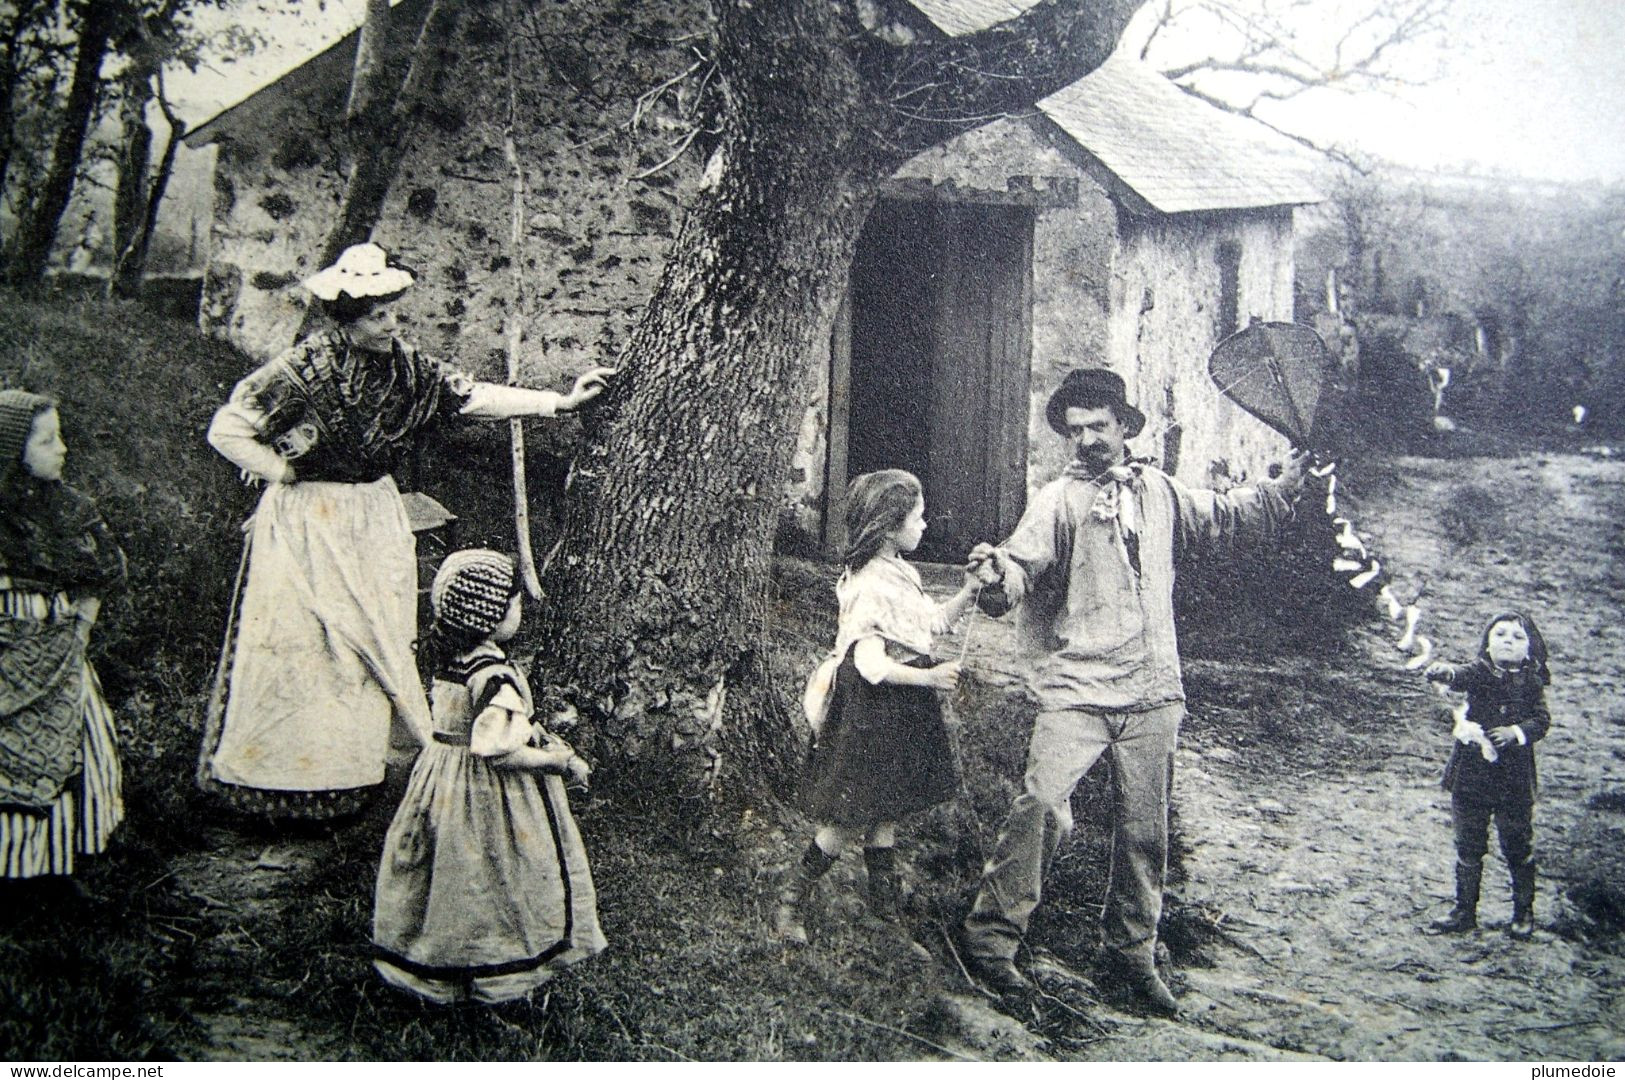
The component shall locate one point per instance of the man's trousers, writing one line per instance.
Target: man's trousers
(1065, 743)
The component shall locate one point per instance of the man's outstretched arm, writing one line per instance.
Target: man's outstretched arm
(1249, 514)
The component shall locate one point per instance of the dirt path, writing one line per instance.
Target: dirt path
(1325, 872)
(1326, 880)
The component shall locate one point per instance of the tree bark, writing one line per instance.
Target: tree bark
(659, 601)
(381, 130)
(24, 20)
(36, 232)
(130, 193)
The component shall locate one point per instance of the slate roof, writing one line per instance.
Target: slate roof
(1177, 152)
(1173, 150)
(955, 17)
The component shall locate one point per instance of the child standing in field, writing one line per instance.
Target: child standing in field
(60, 781)
(484, 891)
(1491, 772)
(883, 752)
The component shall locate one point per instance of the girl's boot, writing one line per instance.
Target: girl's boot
(1523, 900)
(787, 922)
(885, 895)
(1464, 916)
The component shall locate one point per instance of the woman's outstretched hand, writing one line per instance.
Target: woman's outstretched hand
(588, 385)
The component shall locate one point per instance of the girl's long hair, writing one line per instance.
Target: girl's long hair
(1537, 644)
(876, 505)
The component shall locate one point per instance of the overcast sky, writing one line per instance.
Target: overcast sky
(1536, 87)
(1531, 87)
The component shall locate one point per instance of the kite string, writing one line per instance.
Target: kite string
(1364, 572)
(970, 631)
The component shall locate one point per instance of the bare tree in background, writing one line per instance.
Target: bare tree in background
(1242, 56)
(108, 53)
(385, 102)
(30, 249)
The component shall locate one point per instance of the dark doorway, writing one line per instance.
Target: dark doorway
(930, 366)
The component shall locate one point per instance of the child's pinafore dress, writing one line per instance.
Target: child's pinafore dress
(484, 891)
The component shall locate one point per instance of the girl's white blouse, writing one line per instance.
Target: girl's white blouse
(885, 598)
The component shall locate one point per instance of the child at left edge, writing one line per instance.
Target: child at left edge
(1491, 771)
(61, 783)
(484, 891)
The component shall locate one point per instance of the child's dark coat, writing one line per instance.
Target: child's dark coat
(1498, 698)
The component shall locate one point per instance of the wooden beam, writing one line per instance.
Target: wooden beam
(1042, 192)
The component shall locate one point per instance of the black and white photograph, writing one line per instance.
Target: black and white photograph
(668, 531)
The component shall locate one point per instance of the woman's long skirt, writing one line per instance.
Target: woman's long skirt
(81, 820)
(884, 753)
(320, 682)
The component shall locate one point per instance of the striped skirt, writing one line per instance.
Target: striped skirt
(83, 817)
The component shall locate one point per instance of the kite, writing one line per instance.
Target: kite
(1276, 372)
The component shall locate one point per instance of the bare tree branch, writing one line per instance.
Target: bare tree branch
(368, 91)
(1270, 49)
(1336, 153)
(996, 72)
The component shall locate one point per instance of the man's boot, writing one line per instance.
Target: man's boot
(1464, 916)
(885, 895)
(1523, 900)
(787, 922)
(1000, 975)
(1134, 985)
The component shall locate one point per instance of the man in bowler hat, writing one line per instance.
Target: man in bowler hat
(1090, 572)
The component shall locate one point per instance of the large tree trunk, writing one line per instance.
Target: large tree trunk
(36, 233)
(659, 602)
(660, 593)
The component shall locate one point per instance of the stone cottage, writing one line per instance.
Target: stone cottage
(1122, 222)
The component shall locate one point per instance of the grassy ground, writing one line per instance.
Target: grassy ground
(192, 932)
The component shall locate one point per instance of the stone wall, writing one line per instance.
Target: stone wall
(1168, 313)
(1141, 297)
(595, 233)
(1073, 252)
(1004, 161)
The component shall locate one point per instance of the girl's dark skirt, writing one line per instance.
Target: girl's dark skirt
(884, 753)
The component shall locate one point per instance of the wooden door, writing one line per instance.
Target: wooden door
(981, 354)
(929, 367)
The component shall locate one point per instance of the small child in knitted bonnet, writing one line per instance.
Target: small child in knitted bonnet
(485, 814)
(476, 602)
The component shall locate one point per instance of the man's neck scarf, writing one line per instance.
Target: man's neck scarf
(1114, 502)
